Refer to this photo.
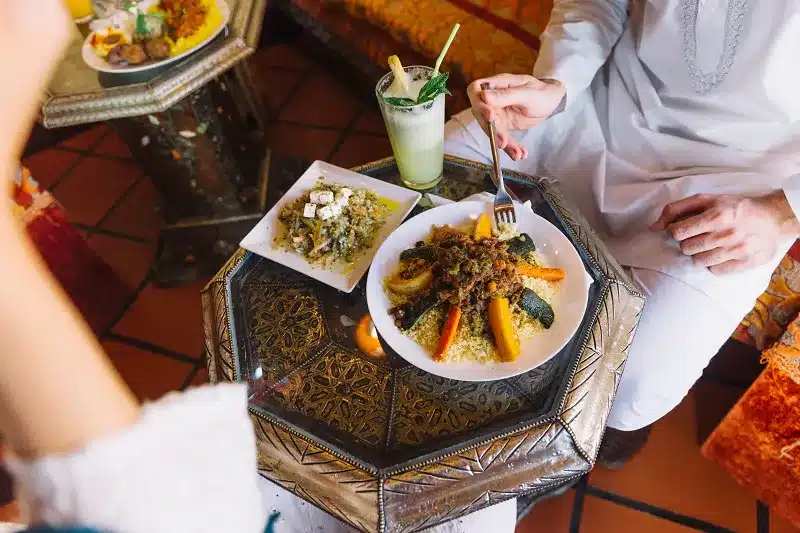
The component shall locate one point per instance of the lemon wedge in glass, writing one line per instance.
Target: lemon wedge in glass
(400, 85)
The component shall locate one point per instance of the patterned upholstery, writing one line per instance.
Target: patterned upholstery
(777, 307)
(495, 35)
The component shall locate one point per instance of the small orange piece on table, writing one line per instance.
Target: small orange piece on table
(367, 337)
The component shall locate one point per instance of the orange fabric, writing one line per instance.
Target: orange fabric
(758, 442)
(495, 36)
(777, 307)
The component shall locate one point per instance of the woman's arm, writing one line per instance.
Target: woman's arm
(57, 389)
(578, 41)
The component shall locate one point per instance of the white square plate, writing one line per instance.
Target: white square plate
(261, 239)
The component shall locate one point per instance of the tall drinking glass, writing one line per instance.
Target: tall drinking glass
(416, 132)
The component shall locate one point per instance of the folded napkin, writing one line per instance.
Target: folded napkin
(436, 201)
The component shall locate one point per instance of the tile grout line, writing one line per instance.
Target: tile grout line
(577, 505)
(93, 153)
(345, 132)
(762, 517)
(82, 155)
(192, 374)
(150, 347)
(110, 211)
(305, 76)
(95, 230)
(659, 512)
(128, 304)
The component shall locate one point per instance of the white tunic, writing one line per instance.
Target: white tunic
(698, 96)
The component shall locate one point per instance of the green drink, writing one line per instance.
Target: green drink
(415, 131)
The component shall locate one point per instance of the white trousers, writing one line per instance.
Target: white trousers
(681, 328)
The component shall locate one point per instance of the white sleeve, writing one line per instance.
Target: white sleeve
(188, 466)
(578, 40)
(792, 192)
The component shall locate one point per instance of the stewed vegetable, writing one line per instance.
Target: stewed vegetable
(477, 280)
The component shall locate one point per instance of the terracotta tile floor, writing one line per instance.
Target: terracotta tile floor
(156, 343)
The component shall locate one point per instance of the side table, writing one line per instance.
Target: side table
(197, 129)
(387, 447)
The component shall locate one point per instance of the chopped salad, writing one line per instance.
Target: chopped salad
(332, 223)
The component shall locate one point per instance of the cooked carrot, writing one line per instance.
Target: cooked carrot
(547, 274)
(505, 340)
(448, 333)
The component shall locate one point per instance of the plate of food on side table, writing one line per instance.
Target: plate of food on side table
(330, 224)
(152, 33)
(457, 299)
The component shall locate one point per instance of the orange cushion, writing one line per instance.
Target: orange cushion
(758, 442)
(495, 36)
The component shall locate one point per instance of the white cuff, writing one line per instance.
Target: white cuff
(188, 466)
(571, 71)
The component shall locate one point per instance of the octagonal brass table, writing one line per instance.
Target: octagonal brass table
(387, 447)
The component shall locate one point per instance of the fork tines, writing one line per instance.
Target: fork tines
(505, 214)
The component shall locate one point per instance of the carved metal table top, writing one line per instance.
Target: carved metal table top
(79, 95)
(383, 445)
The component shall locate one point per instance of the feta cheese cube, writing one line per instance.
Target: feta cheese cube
(321, 197)
(341, 199)
(325, 212)
(347, 193)
(336, 209)
(310, 210)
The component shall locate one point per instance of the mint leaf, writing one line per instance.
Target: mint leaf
(400, 102)
(433, 88)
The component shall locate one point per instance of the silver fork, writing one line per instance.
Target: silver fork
(503, 204)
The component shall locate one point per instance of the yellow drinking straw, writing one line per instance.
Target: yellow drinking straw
(445, 49)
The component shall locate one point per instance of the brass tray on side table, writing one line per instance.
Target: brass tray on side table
(383, 445)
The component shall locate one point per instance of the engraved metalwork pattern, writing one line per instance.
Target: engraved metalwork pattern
(285, 320)
(531, 383)
(430, 449)
(343, 390)
(216, 324)
(316, 475)
(79, 95)
(431, 407)
(523, 462)
(597, 375)
(285, 326)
